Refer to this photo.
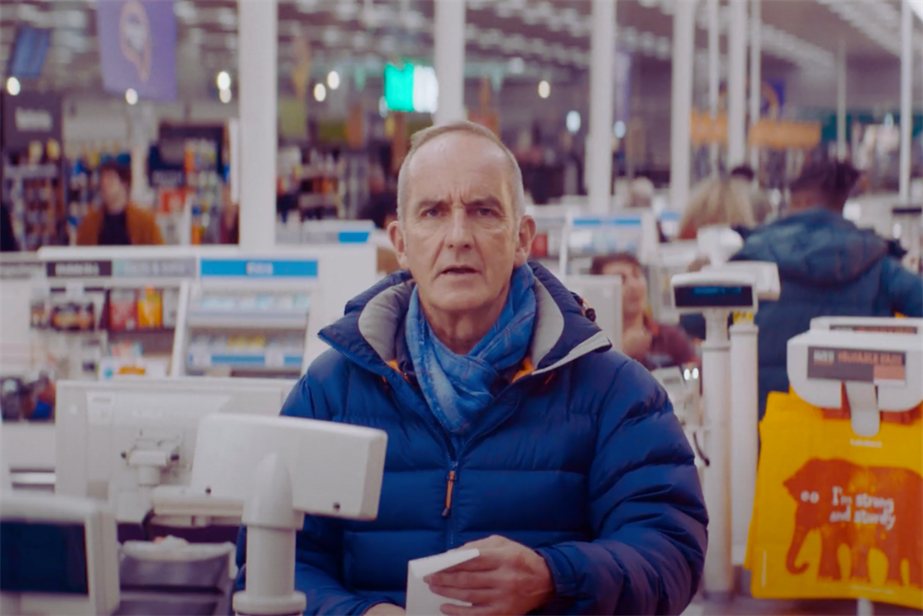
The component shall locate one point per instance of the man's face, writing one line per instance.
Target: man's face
(459, 237)
(634, 286)
(113, 191)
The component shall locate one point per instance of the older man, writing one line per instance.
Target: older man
(512, 426)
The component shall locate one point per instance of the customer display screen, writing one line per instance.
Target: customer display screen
(43, 558)
(713, 296)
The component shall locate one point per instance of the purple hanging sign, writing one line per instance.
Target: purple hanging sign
(137, 47)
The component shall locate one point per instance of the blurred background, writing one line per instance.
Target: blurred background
(355, 78)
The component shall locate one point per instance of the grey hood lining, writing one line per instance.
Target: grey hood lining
(383, 315)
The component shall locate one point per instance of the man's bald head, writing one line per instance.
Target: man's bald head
(428, 135)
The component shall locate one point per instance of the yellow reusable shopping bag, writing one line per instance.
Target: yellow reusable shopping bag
(837, 515)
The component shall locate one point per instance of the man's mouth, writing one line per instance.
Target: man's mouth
(459, 270)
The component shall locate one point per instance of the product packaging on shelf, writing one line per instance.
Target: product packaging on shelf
(150, 309)
(123, 309)
(75, 313)
(39, 312)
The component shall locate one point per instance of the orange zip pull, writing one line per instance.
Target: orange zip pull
(450, 486)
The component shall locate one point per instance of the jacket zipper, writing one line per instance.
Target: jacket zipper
(430, 423)
(449, 488)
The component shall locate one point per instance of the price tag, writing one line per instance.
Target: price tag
(275, 358)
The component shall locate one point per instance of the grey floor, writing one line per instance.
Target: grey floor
(748, 606)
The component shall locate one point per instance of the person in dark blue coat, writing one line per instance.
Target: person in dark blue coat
(827, 267)
(513, 427)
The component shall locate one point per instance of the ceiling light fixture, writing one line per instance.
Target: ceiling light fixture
(619, 129)
(223, 80)
(333, 80)
(13, 86)
(224, 95)
(544, 89)
(320, 93)
(131, 97)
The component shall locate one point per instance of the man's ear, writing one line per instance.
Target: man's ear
(396, 234)
(525, 235)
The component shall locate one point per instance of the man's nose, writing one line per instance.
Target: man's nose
(459, 234)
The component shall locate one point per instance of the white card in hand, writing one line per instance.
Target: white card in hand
(420, 600)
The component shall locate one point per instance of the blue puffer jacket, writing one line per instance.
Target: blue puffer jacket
(827, 267)
(585, 462)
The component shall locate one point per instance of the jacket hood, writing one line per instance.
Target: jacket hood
(370, 332)
(819, 247)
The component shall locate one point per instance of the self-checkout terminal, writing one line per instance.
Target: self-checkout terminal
(865, 365)
(718, 292)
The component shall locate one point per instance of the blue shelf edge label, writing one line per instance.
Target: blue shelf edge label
(607, 222)
(353, 237)
(257, 268)
(245, 360)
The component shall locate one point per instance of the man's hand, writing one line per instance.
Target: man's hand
(385, 609)
(507, 579)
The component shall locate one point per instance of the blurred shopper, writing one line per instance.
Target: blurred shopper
(641, 193)
(225, 227)
(827, 266)
(717, 201)
(513, 428)
(655, 345)
(8, 241)
(381, 209)
(641, 196)
(759, 200)
(118, 222)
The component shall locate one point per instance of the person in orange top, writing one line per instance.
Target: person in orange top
(655, 345)
(117, 222)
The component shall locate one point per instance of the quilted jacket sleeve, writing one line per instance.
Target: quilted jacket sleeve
(646, 510)
(318, 552)
(903, 287)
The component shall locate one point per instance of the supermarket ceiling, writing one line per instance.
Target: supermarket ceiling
(520, 39)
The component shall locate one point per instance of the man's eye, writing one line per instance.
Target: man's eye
(431, 212)
(486, 211)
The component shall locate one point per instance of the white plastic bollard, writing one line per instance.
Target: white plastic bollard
(744, 433)
(719, 573)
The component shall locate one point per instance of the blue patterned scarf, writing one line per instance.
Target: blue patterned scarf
(458, 387)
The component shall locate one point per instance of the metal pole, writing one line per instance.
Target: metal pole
(719, 573)
(449, 59)
(714, 73)
(756, 80)
(737, 83)
(602, 83)
(841, 102)
(258, 131)
(681, 111)
(906, 96)
(744, 433)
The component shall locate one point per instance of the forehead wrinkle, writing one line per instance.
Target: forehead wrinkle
(441, 146)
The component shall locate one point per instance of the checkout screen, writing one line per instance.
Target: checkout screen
(43, 558)
(713, 296)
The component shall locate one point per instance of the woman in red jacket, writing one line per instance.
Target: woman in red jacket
(656, 345)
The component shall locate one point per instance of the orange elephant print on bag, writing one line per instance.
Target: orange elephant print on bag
(860, 508)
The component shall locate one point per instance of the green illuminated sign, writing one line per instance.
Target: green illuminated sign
(399, 87)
